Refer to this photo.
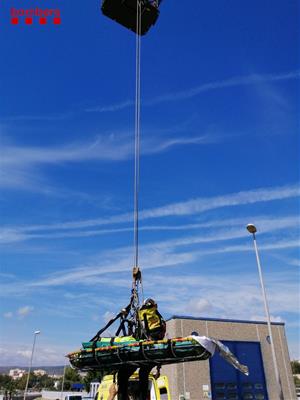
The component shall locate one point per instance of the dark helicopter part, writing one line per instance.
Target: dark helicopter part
(125, 13)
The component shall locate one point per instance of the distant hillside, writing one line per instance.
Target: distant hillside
(55, 370)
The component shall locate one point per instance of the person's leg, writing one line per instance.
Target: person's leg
(124, 374)
(144, 381)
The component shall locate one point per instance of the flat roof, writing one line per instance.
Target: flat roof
(239, 321)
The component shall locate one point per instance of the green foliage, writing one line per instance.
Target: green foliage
(37, 382)
(7, 386)
(296, 380)
(91, 376)
(5, 381)
(295, 367)
(44, 382)
(21, 382)
(71, 376)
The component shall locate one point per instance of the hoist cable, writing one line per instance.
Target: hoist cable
(137, 279)
(137, 134)
(139, 117)
(139, 36)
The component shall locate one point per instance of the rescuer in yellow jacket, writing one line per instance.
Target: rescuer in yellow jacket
(152, 322)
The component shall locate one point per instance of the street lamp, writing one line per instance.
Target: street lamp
(252, 229)
(30, 365)
(63, 381)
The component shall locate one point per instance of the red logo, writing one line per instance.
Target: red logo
(31, 15)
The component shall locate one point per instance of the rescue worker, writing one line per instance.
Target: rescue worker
(153, 324)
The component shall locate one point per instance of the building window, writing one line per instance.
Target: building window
(247, 386)
(231, 386)
(258, 386)
(259, 396)
(220, 386)
(248, 396)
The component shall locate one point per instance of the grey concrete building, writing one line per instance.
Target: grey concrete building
(216, 379)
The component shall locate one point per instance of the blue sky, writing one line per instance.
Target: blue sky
(220, 149)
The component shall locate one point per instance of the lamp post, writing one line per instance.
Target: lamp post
(63, 381)
(252, 229)
(30, 365)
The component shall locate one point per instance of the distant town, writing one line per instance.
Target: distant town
(43, 383)
(17, 371)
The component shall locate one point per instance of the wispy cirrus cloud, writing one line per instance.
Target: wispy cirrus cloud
(37, 117)
(21, 166)
(111, 108)
(178, 209)
(112, 147)
(294, 261)
(226, 83)
(240, 198)
(166, 254)
(235, 81)
(266, 224)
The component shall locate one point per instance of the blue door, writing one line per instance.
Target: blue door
(228, 383)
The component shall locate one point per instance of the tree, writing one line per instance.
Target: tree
(91, 376)
(21, 382)
(71, 376)
(44, 382)
(8, 385)
(5, 380)
(295, 367)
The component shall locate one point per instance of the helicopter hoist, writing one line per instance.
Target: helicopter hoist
(125, 13)
(139, 341)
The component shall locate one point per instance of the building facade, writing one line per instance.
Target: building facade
(39, 372)
(216, 379)
(16, 373)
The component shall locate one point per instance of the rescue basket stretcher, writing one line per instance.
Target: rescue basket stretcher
(108, 358)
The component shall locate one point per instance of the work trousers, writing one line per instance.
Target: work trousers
(123, 377)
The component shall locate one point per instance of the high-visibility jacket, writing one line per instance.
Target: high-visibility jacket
(152, 320)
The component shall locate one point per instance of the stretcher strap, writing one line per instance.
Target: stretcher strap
(122, 315)
(171, 346)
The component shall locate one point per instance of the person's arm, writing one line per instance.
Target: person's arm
(112, 391)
